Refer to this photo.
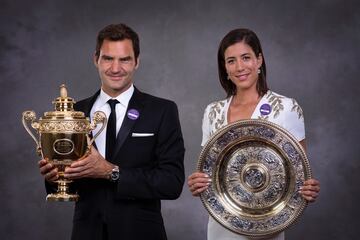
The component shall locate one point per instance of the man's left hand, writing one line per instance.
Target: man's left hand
(92, 165)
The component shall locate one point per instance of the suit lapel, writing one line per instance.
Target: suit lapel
(85, 106)
(135, 103)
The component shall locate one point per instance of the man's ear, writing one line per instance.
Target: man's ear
(137, 62)
(95, 59)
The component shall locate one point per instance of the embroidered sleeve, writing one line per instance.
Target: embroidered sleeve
(294, 119)
(206, 126)
(213, 120)
(296, 108)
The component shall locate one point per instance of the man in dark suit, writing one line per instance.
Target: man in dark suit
(136, 163)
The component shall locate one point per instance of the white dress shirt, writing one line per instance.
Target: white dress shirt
(101, 104)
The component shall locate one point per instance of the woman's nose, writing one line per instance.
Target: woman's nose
(239, 65)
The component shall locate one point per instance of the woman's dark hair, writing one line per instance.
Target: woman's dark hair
(117, 32)
(249, 37)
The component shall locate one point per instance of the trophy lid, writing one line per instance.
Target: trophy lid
(64, 106)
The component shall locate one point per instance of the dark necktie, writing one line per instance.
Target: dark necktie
(111, 130)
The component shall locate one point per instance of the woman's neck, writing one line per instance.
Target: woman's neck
(245, 97)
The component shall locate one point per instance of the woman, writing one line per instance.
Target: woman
(242, 73)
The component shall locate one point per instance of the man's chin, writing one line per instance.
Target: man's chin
(120, 88)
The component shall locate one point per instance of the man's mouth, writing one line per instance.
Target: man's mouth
(115, 76)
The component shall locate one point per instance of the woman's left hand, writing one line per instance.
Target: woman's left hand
(310, 190)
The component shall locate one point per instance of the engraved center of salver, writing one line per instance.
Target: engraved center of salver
(254, 178)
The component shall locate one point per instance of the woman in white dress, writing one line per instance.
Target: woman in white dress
(242, 74)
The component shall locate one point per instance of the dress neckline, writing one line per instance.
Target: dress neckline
(254, 113)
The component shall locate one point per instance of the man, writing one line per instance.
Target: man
(123, 179)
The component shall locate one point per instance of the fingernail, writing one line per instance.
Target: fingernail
(209, 180)
(206, 175)
(301, 187)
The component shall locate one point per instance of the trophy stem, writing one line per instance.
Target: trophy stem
(62, 187)
(62, 194)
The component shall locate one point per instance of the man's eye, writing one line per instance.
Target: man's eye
(126, 60)
(107, 59)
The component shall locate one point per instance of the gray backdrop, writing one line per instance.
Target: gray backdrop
(312, 54)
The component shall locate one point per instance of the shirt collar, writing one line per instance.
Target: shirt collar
(123, 98)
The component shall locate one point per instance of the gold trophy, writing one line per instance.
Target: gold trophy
(63, 138)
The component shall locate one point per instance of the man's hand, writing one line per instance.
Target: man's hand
(48, 170)
(92, 165)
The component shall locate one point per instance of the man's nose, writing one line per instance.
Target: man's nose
(116, 66)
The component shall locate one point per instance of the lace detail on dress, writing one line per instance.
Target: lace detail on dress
(296, 108)
(276, 103)
(214, 115)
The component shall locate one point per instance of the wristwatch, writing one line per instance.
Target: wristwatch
(114, 174)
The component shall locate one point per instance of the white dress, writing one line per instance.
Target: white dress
(273, 107)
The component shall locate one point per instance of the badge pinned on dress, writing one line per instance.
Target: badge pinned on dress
(133, 114)
(265, 109)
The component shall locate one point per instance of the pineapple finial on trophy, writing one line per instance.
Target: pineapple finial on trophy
(63, 91)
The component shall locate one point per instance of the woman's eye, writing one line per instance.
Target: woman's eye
(230, 61)
(245, 58)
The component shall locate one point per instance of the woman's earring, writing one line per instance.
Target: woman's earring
(258, 71)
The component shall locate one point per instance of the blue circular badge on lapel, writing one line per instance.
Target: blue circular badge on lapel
(265, 109)
(133, 114)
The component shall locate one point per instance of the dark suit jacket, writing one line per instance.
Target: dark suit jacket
(151, 169)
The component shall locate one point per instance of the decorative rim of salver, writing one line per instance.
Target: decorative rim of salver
(266, 165)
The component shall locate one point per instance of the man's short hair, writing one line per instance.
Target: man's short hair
(117, 32)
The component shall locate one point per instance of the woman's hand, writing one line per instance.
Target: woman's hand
(310, 190)
(198, 182)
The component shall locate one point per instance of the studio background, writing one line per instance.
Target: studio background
(312, 54)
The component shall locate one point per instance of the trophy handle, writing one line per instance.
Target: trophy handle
(99, 117)
(28, 116)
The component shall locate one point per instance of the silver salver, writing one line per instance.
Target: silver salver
(256, 169)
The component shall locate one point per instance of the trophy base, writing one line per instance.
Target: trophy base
(62, 194)
(62, 197)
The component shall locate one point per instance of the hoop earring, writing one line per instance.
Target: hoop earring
(259, 71)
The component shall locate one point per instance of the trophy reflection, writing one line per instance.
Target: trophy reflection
(63, 137)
